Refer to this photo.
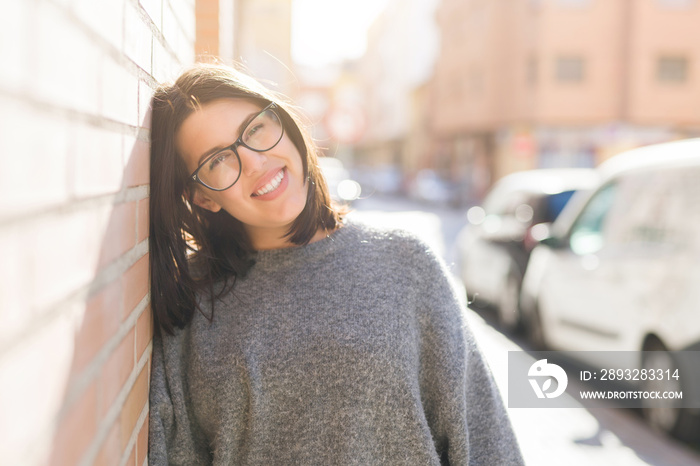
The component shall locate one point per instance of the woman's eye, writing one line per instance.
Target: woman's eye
(215, 161)
(257, 128)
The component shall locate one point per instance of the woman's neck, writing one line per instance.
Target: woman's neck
(264, 239)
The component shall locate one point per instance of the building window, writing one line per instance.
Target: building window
(569, 69)
(672, 69)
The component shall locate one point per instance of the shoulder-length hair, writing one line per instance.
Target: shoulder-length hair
(191, 248)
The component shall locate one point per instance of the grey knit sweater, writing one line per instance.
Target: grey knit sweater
(350, 350)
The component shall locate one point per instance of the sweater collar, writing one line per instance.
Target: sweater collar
(271, 259)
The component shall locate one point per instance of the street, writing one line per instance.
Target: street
(599, 434)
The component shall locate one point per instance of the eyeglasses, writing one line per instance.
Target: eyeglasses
(222, 169)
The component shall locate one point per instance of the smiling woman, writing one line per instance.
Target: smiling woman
(285, 334)
(194, 119)
(259, 180)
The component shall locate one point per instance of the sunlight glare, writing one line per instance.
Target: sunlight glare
(330, 31)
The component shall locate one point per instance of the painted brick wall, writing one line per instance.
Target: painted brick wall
(76, 78)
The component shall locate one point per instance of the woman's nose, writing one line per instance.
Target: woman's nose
(252, 162)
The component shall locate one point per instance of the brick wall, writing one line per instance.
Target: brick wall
(76, 78)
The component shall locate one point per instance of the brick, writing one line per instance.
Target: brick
(105, 19)
(142, 220)
(100, 321)
(14, 285)
(65, 62)
(165, 66)
(118, 92)
(186, 52)
(142, 443)
(76, 429)
(97, 161)
(35, 170)
(120, 235)
(137, 156)
(116, 371)
(184, 11)
(145, 96)
(170, 24)
(159, 56)
(178, 32)
(133, 406)
(154, 8)
(144, 332)
(179, 28)
(110, 451)
(62, 256)
(33, 378)
(137, 38)
(135, 285)
(14, 29)
(184, 46)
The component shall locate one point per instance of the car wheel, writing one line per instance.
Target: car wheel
(508, 307)
(661, 414)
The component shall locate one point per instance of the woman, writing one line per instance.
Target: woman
(286, 334)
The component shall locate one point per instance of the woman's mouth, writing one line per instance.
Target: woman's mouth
(272, 185)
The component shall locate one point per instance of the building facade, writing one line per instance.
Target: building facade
(401, 50)
(524, 84)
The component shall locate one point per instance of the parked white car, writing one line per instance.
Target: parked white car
(494, 247)
(621, 269)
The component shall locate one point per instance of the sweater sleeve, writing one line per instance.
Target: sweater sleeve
(173, 438)
(463, 406)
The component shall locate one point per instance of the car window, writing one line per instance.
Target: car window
(667, 213)
(555, 204)
(587, 233)
(655, 208)
(641, 209)
(638, 202)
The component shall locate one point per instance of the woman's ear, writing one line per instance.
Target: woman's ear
(202, 200)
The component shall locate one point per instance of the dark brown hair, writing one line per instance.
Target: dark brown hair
(191, 248)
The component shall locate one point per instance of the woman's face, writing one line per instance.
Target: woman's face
(270, 193)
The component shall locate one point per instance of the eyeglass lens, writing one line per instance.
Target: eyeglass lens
(223, 169)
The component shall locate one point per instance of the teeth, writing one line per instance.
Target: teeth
(272, 185)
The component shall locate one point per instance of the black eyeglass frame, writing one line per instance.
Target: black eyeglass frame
(239, 142)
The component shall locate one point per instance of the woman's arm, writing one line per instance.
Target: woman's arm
(463, 406)
(173, 438)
